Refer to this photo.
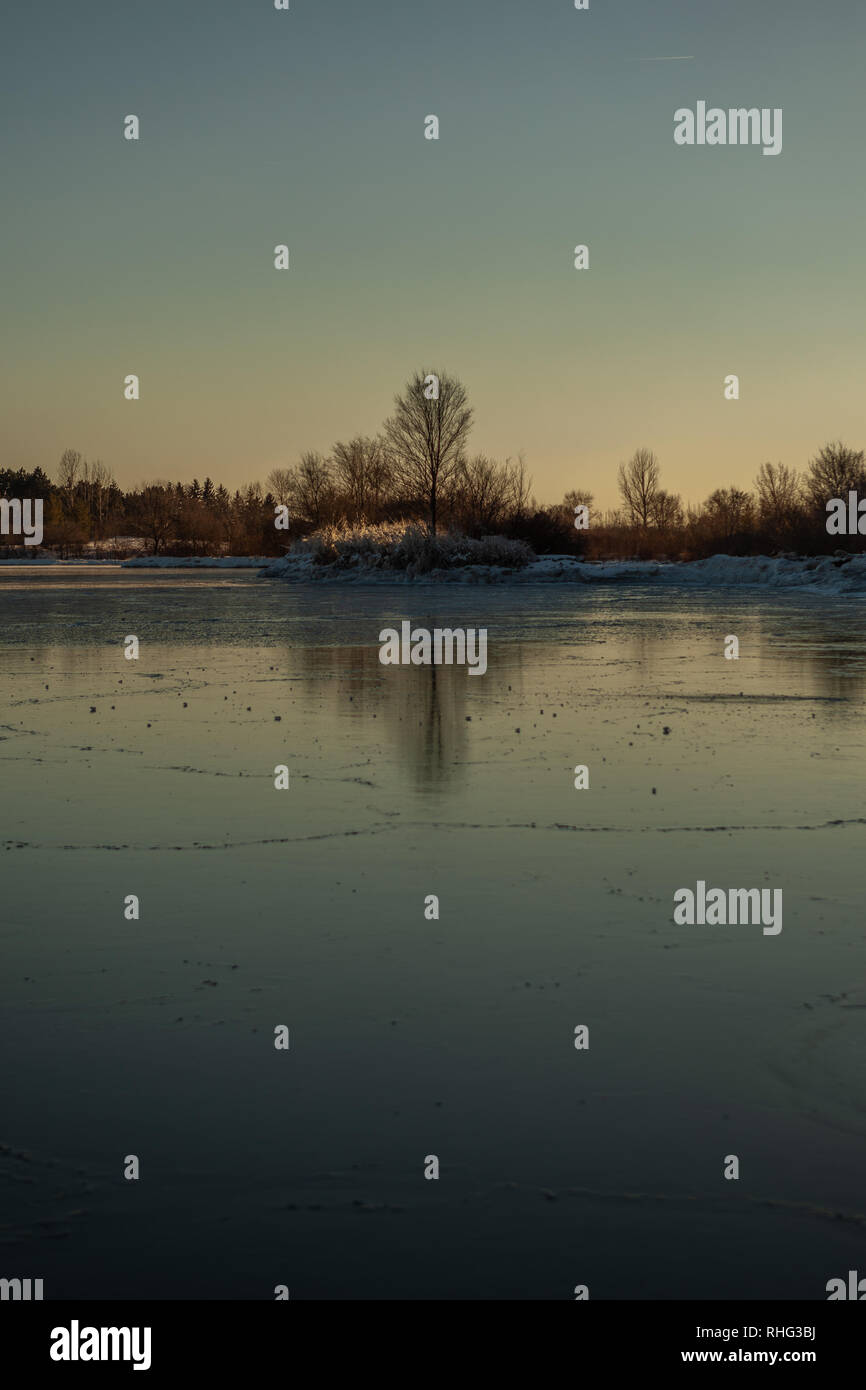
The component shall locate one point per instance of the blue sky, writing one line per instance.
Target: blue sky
(307, 127)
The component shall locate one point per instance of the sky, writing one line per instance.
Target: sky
(306, 127)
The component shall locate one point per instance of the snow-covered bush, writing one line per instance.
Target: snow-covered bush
(403, 546)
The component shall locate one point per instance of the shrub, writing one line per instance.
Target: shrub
(399, 545)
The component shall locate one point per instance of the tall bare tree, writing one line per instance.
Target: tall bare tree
(638, 482)
(779, 493)
(98, 487)
(428, 433)
(68, 472)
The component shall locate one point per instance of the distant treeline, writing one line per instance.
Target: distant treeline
(419, 469)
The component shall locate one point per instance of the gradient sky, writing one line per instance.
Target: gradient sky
(306, 127)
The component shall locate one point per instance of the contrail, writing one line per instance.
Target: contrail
(677, 58)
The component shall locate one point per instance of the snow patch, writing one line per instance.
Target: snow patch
(840, 574)
(196, 562)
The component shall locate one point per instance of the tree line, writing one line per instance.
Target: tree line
(419, 468)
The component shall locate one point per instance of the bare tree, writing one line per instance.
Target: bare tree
(834, 472)
(483, 491)
(156, 506)
(281, 482)
(577, 497)
(779, 494)
(666, 510)
(639, 485)
(730, 512)
(778, 488)
(363, 472)
(68, 471)
(98, 486)
(312, 490)
(427, 432)
(521, 487)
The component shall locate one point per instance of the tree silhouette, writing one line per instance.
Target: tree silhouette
(427, 434)
(835, 471)
(638, 482)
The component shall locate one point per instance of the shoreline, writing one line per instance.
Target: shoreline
(839, 574)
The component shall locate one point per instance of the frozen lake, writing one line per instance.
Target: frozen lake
(412, 1037)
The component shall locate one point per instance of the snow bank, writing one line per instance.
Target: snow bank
(831, 574)
(840, 574)
(196, 562)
